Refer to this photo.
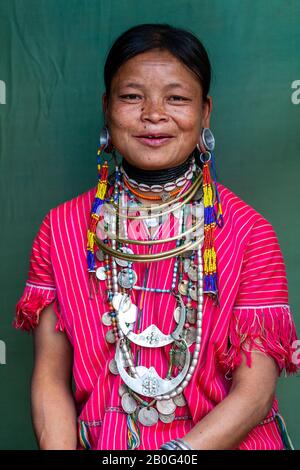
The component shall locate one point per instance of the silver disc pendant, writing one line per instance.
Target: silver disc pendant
(180, 400)
(121, 262)
(124, 278)
(106, 319)
(191, 335)
(166, 407)
(122, 390)
(128, 403)
(167, 418)
(121, 302)
(101, 274)
(191, 315)
(148, 416)
(193, 292)
(113, 367)
(110, 337)
(183, 287)
(100, 255)
(186, 264)
(176, 314)
(179, 359)
(131, 314)
(192, 272)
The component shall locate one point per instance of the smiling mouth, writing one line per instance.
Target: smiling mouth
(154, 140)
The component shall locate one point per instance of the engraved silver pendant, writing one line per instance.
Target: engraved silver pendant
(106, 319)
(113, 367)
(193, 292)
(180, 400)
(129, 404)
(148, 416)
(122, 389)
(124, 278)
(167, 419)
(166, 407)
(110, 337)
(183, 287)
(150, 384)
(101, 274)
(191, 334)
(191, 315)
(131, 314)
(121, 302)
(192, 272)
(121, 262)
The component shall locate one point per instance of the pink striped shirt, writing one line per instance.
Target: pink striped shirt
(253, 306)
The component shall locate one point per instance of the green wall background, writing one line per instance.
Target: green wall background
(51, 59)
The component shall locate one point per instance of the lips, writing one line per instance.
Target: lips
(154, 140)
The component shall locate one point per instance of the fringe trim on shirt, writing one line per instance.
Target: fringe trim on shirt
(270, 330)
(31, 305)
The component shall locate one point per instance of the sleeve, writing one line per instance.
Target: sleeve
(40, 289)
(261, 319)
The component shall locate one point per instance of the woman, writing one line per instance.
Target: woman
(177, 329)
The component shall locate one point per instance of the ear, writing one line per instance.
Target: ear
(206, 112)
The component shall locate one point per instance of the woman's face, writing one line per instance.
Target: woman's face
(155, 110)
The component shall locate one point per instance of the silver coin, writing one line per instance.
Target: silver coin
(113, 367)
(127, 250)
(100, 255)
(179, 400)
(176, 314)
(191, 315)
(148, 416)
(110, 337)
(191, 335)
(124, 279)
(128, 403)
(101, 274)
(121, 301)
(121, 262)
(131, 314)
(192, 272)
(166, 407)
(167, 418)
(106, 319)
(183, 287)
(186, 264)
(123, 389)
(193, 292)
(179, 359)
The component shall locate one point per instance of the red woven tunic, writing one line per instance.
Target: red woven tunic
(253, 306)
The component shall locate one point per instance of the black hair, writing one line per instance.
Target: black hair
(145, 37)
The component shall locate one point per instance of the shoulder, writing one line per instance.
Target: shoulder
(78, 207)
(243, 225)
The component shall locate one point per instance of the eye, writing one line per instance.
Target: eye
(178, 98)
(130, 97)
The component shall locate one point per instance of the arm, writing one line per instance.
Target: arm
(248, 402)
(53, 408)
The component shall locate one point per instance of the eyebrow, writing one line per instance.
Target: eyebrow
(140, 86)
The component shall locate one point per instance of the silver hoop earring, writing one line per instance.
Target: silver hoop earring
(206, 141)
(104, 138)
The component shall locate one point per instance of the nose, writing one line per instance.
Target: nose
(153, 111)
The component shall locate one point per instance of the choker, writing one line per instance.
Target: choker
(162, 176)
(157, 181)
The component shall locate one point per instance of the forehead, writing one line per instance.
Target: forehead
(158, 66)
